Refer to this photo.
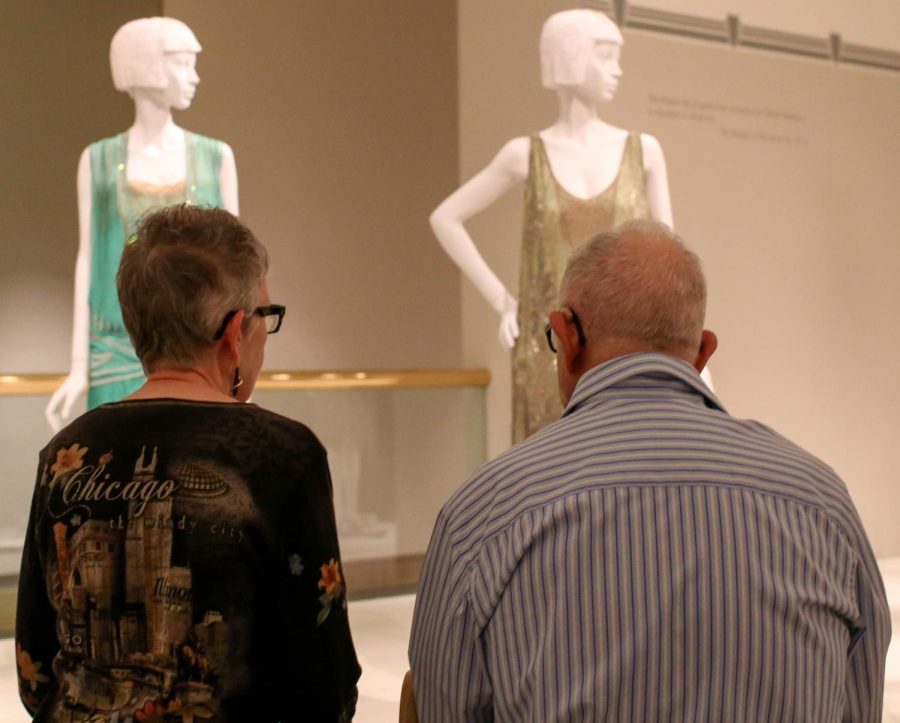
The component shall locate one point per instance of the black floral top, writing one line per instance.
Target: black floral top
(182, 563)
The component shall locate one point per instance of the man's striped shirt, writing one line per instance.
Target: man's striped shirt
(650, 558)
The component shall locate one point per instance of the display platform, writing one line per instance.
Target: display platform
(399, 443)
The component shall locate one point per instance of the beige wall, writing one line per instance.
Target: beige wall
(343, 120)
(795, 220)
(57, 96)
(873, 22)
(342, 117)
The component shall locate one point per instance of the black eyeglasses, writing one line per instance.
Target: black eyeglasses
(582, 339)
(272, 315)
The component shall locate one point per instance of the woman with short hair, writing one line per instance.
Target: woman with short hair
(181, 560)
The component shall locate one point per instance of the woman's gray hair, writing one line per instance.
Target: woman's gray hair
(181, 273)
(639, 283)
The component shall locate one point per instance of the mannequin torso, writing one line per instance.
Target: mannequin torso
(584, 169)
(157, 161)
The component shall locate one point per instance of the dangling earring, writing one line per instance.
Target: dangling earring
(236, 381)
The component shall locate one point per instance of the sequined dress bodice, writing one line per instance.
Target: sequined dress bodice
(116, 207)
(556, 222)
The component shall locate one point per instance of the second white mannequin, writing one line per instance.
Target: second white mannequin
(570, 168)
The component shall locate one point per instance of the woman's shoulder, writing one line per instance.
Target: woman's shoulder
(214, 418)
(276, 421)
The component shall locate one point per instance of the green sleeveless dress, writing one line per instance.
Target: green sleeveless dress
(116, 206)
(555, 223)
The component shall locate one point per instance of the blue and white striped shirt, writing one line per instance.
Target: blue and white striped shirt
(650, 558)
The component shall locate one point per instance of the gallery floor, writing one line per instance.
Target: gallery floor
(381, 632)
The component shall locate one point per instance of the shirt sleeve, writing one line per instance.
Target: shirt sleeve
(446, 652)
(36, 641)
(870, 636)
(308, 631)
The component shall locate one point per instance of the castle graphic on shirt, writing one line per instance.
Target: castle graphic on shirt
(125, 611)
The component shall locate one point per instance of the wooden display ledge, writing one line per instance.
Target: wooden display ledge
(19, 385)
(8, 600)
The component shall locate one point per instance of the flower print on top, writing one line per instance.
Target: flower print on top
(333, 584)
(152, 712)
(29, 670)
(67, 460)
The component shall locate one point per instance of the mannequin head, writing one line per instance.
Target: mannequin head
(570, 40)
(157, 54)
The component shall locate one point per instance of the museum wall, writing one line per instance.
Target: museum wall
(782, 173)
(342, 118)
(57, 97)
(873, 23)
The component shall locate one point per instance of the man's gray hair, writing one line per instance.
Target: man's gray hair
(638, 283)
(180, 275)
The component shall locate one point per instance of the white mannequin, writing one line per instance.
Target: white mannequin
(154, 61)
(580, 61)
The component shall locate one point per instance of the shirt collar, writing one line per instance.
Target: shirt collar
(615, 371)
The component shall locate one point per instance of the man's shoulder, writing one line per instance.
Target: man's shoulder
(767, 437)
(494, 497)
(535, 471)
(783, 468)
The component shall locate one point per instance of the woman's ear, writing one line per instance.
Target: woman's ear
(233, 335)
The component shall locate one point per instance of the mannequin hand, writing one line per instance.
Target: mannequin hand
(60, 406)
(509, 323)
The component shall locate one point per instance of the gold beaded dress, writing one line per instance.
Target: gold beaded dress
(555, 223)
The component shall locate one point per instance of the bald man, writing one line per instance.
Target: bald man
(647, 557)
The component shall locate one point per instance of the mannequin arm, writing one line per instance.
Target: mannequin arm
(228, 181)
(508, 168)
(657, 180)
(60, 406)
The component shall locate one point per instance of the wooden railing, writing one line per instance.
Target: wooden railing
(45, 384)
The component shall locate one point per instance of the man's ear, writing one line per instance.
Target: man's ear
(569, 346)
(708, 344)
